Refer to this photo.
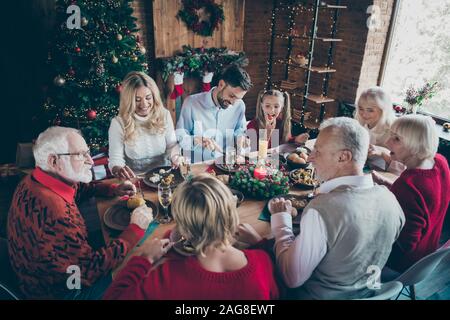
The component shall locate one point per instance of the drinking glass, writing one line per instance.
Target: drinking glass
(165, 199)
(314, 182)
(230, 157)
(185, 167)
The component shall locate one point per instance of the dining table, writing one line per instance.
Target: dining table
(249, 210)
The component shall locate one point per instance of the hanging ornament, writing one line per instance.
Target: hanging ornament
(84, 21)
(127, 31)
(100, 69)
(142, 49)
(66, 113)
(59, 81)
(105, 88)
(134, 58)
(119, 88)
(77, 49)
(119, 37)
(71, 72)
(145, 65)
(91, 114)
(114, 59)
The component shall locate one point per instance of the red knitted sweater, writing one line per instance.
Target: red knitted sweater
(424, 196)
(181, 278)
(47, 234)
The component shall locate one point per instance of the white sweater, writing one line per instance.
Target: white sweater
(145, 146)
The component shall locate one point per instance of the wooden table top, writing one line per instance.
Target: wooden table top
(249, 210)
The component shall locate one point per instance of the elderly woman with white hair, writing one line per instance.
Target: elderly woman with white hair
(374, 112)
(423, 189)
(142, 135)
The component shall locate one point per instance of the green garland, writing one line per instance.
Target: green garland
(267, 188)
(195, 61)
(189, 15)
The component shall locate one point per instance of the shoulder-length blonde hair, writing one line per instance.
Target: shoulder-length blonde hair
(380, 98)
(286, 112)
(205, 212)
(418, 134)
(156, 120)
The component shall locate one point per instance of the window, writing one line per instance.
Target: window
(419, 52)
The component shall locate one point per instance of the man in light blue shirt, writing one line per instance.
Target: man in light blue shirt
(211, 121)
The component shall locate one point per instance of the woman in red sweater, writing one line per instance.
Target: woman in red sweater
(273, 111)
(423, 189)
(206, 216)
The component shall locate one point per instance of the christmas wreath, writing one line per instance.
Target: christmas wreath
(201, 16)
(267, 188)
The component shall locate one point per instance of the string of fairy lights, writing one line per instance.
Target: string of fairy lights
(294, 10)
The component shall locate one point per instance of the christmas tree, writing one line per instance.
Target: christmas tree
(95, 46)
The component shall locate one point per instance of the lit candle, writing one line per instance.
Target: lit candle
(260, 173)
(262, 150)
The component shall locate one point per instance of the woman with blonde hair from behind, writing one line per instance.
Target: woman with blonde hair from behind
(142, 135)
(206, 216)
(423, 189)
(374, 112)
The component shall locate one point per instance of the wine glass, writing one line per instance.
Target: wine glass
(185, 167)
(230, 157)
(165, 199)
(314, 182)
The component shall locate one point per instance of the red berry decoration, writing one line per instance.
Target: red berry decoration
(91, 114)
(77, 49)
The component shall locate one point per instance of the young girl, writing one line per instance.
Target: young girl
(273, 111)
(205, 213)
(374, 112)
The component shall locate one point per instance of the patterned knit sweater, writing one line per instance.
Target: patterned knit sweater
(47, 234)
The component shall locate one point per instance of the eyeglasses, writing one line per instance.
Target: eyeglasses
(80, 156)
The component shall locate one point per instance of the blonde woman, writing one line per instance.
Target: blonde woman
(206, 216)
(423, 189)
(142, 135)
(374, 112)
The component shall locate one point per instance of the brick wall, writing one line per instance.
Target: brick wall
(357, 58)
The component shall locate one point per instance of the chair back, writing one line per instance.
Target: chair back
(424, 267)
(389, 290)
(8, 278)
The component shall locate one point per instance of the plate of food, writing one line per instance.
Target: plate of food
(227, 168)
(298, 158)
(299, 202)
(303, 177)
(181, 245)
(239, 196)
(167, 174)
(118, 216)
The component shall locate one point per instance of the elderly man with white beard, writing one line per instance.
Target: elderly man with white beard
(47, 236)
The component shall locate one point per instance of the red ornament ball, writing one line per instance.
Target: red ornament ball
(91, 114)
(77, 49)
